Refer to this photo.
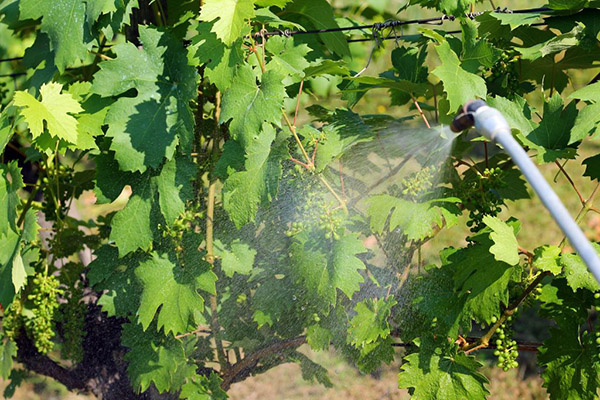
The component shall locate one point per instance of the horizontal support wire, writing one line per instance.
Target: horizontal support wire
(377, 27)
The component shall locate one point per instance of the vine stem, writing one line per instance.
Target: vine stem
(416, 103)
(251, 359)
(561, 168)
(484, 341)
(210, 258)
(295, 134)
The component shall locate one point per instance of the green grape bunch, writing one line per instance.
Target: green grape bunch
(417, 184)
(506, 348)
(503, 78)
(480, 196)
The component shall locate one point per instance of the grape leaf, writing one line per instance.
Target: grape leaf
(516, 112)
(572, 366)
(481, 278)
(8, 351)
(249, 106)
(154, 359)
(588, 119)
(320, 15)
(577, 273)
(321, 275)
(116, 280)
(239, 259)
(269, 3)
(203, 387)
(220, 61)
(370, 323)
(443, 376)
(9, 247)
(54, 109)
(245, 190)
(417, 220)
(567, 4)
(6, 126)
(592, 167)
(552, 135)
(232, 17)
(449, 7)
(318, 338)
(174, 186)
(165, 84)
(556, 44)
(477, 52)
(172, 288)
(546, 258)
(11, 181)
(287, 59)
(505, 246)
(132, 227)
(459, 85)
(64, 21)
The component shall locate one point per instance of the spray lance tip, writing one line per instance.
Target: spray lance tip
(464, 119)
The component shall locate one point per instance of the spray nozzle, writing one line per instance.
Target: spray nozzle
(464, 119)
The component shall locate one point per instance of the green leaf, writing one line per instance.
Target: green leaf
(172, 288)
(443, 376)
(552, 46)
(571, 360)
(8, 351)
(459, 85)
(132, 227)
(567, 4)
(165, 84)
(232, 17)
(515, 20)
(477, 52)
(588, 93)
(175, 187)
(65, 23)
(370, 322)
(203, 387)
(505, 246)
(448, 7)
(409, 63)
(481, 278)
(320, 15)
(577, 273)
(116, 279)
(6, 127)
(154, 359)
(240, 257)
(9, 247)
(11, 181)
(552, 135)
(417, 220)
(546, 258)
(588, 119)
(269, 3)
(249, 105)
(516, 112)
(318, 338)
(54, 110)
(220, 61)
(245, 190)
(322, 276)
(592, 167)
(286, 58)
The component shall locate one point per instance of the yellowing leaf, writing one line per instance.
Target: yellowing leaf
(55, 110)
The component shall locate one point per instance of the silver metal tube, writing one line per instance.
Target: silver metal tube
(490, 123)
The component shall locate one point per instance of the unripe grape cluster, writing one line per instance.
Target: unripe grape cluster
(44, 303)
(481, 198)
(506, 348)
(417, 184)
(12, 320)
(72, 317)
(503, 78)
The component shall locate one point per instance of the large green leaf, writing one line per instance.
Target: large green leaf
(54, 112)
(146, 128)
(249, 105)
(245, 190)
(65, 23)
(173, 289)
(437, 375)
(232, 17)
(459, 85)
